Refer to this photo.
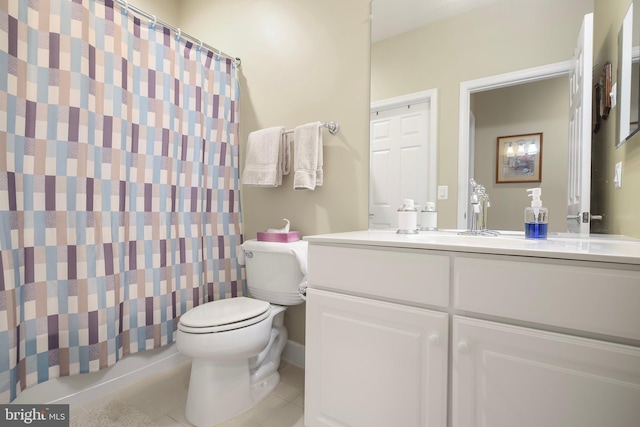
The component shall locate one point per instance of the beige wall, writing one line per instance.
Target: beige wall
(529, 108)
(507, 36)
(620, 206)
(165, 10)
(302, 61)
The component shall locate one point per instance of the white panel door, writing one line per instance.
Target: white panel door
(398, 161)
(579, 194)
(374, 364)
(506, 376)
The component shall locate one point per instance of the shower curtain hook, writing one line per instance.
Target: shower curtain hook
(200, 46)
(153, 24)
(126, 7)
(178, 34)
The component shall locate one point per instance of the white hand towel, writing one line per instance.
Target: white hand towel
(307, 156)
(265, 158)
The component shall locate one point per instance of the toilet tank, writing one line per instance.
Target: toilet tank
(274, 270)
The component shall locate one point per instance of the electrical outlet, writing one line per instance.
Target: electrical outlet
(617, 178)
(443, 192)
(613, 94)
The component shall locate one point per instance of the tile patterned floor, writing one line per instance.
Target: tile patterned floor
(163, 399)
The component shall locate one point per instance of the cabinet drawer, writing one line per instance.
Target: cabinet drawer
(397, 275)
(579, 296)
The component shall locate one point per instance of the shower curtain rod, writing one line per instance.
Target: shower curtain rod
(152, 18)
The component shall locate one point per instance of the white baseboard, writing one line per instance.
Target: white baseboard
(79, 389)
(294, 353)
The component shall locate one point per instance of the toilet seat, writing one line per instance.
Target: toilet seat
(224, 315)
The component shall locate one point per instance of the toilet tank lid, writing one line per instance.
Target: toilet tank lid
(223, 312)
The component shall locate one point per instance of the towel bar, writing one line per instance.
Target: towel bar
(333, 127)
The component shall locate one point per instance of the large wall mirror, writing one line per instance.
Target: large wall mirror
(628, 74)
(398, 65)
(445, 65)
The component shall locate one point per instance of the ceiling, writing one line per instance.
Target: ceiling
(393, 17)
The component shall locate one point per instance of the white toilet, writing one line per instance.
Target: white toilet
(236, 343)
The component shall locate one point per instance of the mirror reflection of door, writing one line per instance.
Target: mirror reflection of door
(578, 213)
(399, 160)
(434, 56)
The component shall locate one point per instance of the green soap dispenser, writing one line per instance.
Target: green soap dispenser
(536, 217)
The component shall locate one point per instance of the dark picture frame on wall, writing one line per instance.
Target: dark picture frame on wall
(605, 91)
(519, 158)
(597, 105)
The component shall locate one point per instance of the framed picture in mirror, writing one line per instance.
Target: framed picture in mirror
(519, 158)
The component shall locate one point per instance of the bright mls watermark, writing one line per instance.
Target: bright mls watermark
(34, 415)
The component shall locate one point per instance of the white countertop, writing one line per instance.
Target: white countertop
(601, 248)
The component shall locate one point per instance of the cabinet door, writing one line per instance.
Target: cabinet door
(505, 376)
(371, 363)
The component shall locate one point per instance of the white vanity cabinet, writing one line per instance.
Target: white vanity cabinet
(441, 331)
(505, 376)
(371, 362)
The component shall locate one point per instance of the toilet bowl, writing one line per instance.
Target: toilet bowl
(235, 343)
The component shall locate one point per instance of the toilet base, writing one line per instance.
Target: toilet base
(221, 391)
(229, 373)
(264, 388)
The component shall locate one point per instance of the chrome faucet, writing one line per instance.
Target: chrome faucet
(479, 203)
(484, 203)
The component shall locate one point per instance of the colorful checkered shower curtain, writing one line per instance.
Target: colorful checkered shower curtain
(119, 192)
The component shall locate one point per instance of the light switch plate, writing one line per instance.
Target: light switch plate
(613, 95)
(617, 179)
(443, 192)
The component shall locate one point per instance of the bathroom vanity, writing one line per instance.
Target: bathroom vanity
(437, 329)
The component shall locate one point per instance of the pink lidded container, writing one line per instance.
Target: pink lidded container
(281, 237)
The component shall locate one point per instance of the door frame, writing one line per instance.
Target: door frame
(430, 96)
(527, 75)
